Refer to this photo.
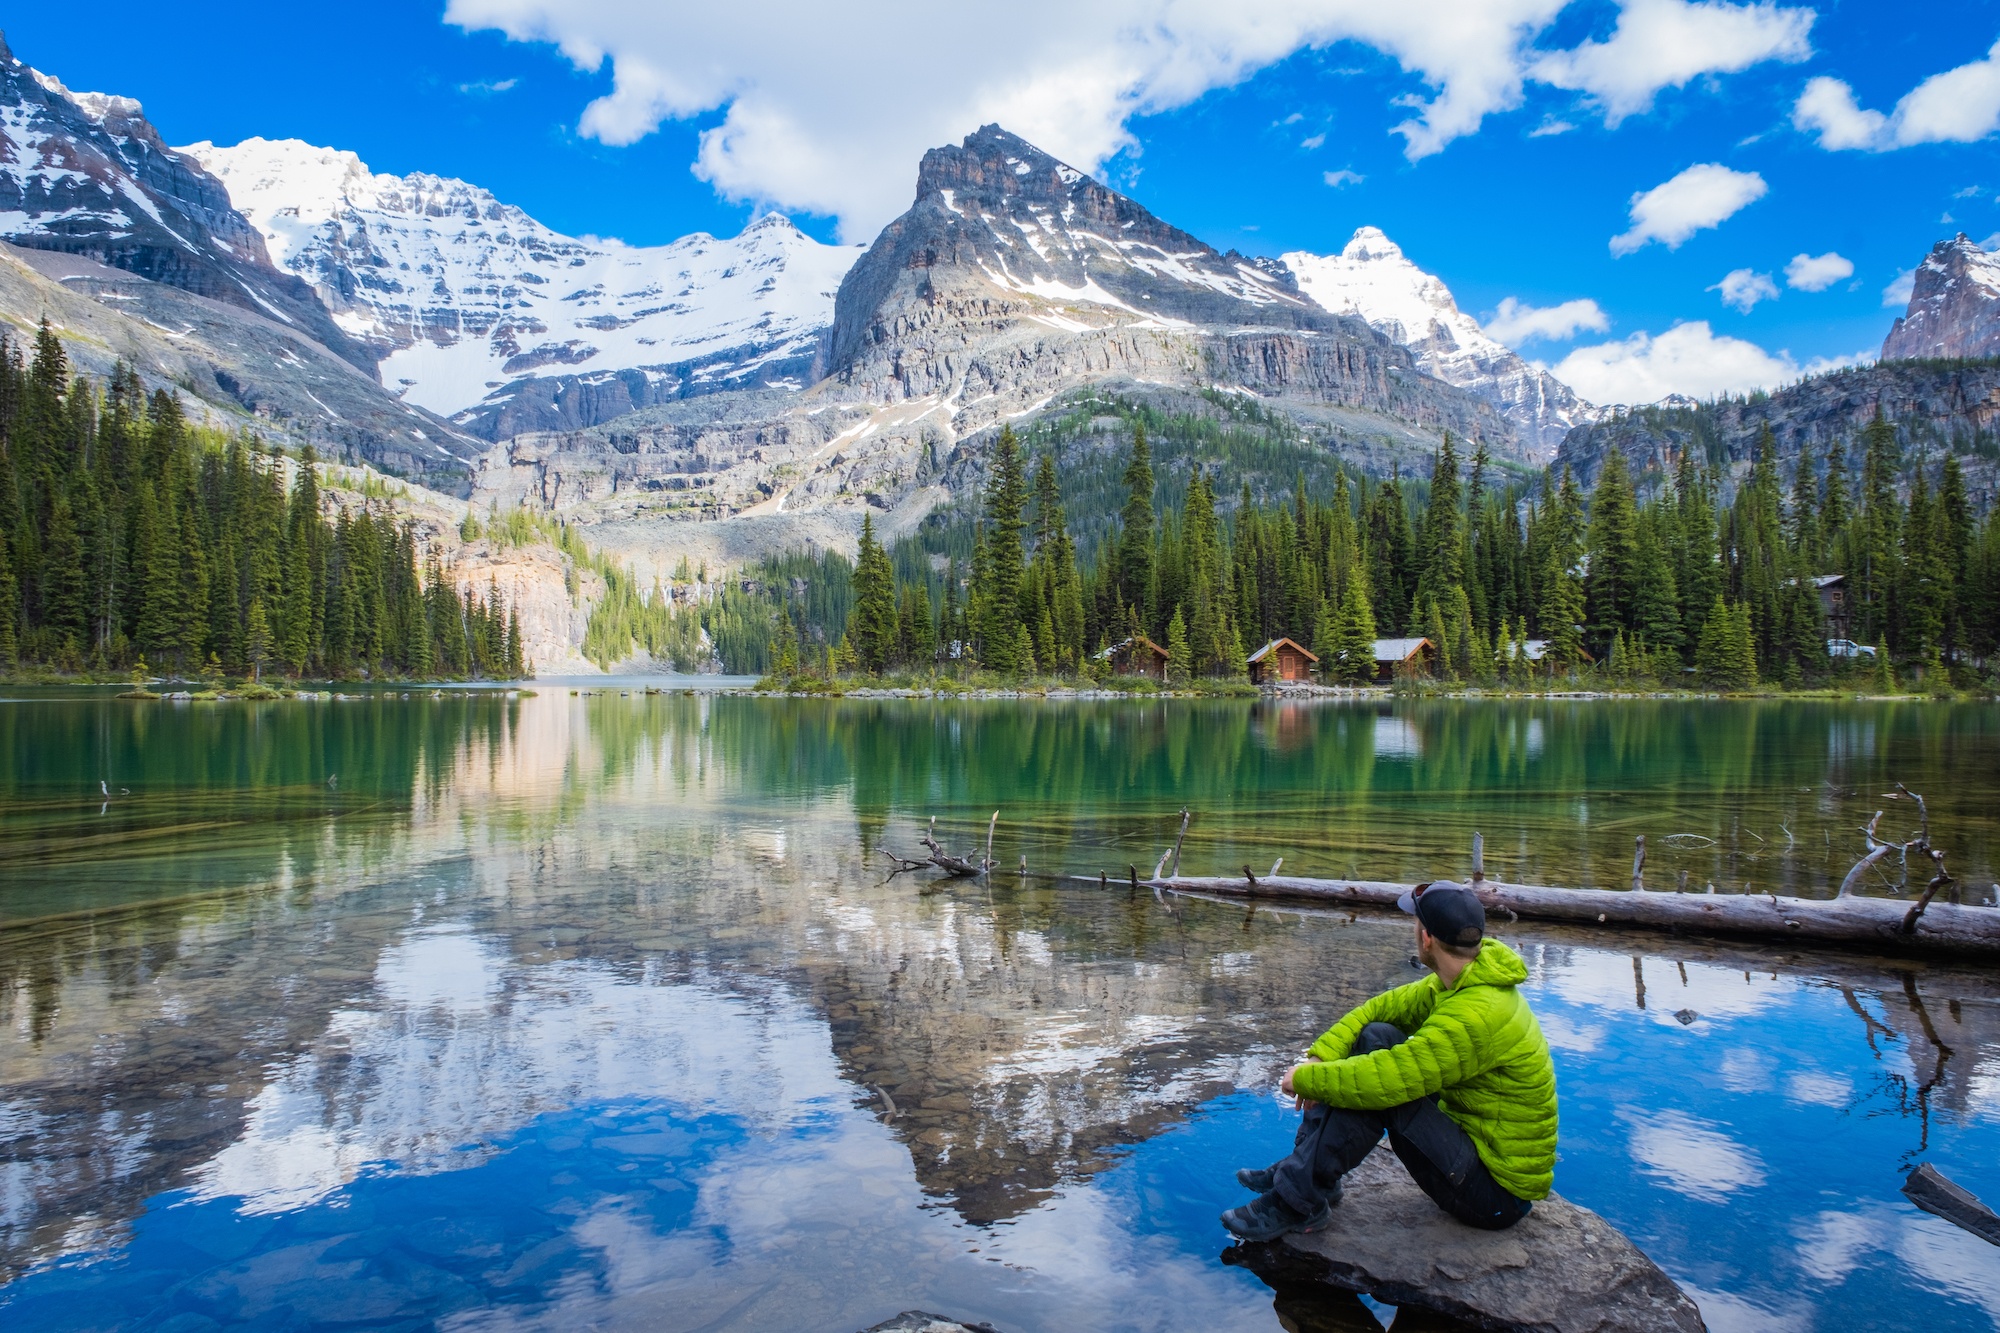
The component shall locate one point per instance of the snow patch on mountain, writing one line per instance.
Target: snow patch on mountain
(466, 297)
(1373, 280)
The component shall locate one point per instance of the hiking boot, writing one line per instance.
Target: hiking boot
(1268, 1217)
(1258, 1180)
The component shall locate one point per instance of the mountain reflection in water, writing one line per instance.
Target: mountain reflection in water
(571, 1010)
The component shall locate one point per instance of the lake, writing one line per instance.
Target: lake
(471, 1010)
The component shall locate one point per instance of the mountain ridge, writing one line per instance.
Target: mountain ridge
(1954, 307)
(481, 313)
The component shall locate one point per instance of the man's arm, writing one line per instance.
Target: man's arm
(1440, 1054)
(1406, 1007)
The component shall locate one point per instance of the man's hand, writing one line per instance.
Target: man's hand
(1285, 1083)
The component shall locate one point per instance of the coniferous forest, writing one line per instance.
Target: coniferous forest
(1657, 579)
(132, 539)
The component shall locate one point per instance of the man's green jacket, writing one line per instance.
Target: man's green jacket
(1476, 1046)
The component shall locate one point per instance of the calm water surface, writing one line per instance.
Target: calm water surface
(477, 1012)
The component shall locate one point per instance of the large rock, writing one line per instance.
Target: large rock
(1954, 306)
(1563, 1269)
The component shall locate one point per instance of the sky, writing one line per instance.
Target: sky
(1649, 196)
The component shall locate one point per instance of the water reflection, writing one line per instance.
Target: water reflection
(595, 1010)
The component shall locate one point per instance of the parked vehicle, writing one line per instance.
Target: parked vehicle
(1847, 648)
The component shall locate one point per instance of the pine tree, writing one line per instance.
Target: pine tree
(1135, 583)
(1442, 540)
(871, 625)
(1353, 639)
(1614, 551)
(1180, 663)
(1002, 632)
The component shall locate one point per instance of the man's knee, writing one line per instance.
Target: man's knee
(1378, 1037)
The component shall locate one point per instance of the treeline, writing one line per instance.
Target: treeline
(131, 539)
(1505, 584)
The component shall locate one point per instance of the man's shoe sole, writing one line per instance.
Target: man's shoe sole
(1311, 1224)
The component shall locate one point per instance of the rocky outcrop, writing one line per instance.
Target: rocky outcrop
(1954, 306)
(233, 368)
(1561, 1269)
(1934, 407)
(86, 174)
(1371, 280)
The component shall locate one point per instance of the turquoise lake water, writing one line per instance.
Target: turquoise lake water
(479, 1011)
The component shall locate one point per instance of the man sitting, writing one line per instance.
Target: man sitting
(1453, 1067)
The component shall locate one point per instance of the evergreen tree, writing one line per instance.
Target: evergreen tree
(1002, 633)
(1180, 663)
(1352, 655)
(1612, 591)
(1135, 583)
(871, 625)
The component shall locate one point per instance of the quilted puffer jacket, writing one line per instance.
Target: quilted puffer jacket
(1476, 1046)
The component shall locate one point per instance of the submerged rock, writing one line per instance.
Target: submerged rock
(919, 1321)
(1563, 1269)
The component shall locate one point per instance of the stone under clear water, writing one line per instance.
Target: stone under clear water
(473, 1011)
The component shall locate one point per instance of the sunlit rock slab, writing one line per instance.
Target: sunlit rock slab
(1562, 1269)
(918, 1321)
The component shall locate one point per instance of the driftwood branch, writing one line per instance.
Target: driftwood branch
(1186, 816)
(1478, 859)
(1639, 866)
(962, 866)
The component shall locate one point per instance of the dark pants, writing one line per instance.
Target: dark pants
(1439, 1155)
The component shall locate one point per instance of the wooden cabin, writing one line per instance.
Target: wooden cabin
(1136, 656)
(1396, 658)
(1281, 659)
(1832, 590)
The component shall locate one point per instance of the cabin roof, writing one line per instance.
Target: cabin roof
(1398, 650)
(1273, 646)
(1136, 641)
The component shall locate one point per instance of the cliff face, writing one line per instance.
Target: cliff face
(1954, 306)
(1934, 408)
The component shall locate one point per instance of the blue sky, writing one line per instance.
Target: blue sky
(1440, 121)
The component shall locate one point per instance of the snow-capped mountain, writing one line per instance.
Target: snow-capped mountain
(87, 174)
(483, 313)
(1954, 306)
(1373, 280)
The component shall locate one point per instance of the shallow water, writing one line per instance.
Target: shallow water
(578, 1010)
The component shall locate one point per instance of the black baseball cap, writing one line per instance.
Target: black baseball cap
(1451, 912)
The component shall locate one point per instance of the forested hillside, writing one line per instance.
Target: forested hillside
(130, 538)
(1475, 559)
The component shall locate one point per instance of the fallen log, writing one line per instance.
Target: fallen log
(1929, 1190)
(1944, 928)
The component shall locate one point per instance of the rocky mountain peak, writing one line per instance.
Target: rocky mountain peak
(1954, 308)
(87, 174)
(1371, 279)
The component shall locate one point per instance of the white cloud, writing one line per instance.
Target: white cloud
(1687, 359)
(1515, 322)
(1665, 43)
(1550, 126)
(828, 108)
(1897, 293)
(1743, 288)
(1344, 177)
(1816, 273)
(1960, 105)
(487, 87)
(1702, 196)
(1313, 142)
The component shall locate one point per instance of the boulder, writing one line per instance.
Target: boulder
(1562, 1269)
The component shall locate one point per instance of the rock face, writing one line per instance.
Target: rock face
(1954, 305)
(1372, 280)
(1934, 408)
(233, 368)
(87, 174)
(1014, 276)
(1562, 1269)
(482, 313)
